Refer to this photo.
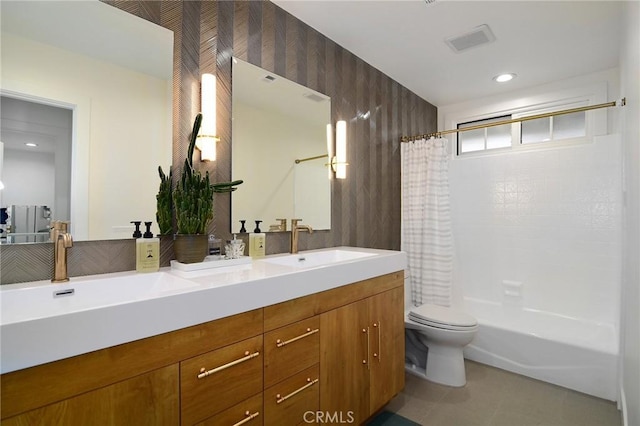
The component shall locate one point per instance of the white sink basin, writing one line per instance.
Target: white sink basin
(20, 303)
(43, 322)
(315, 259)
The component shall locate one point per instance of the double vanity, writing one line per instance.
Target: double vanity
(283, 340)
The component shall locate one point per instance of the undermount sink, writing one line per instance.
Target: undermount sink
(20, 303)
(315, 259)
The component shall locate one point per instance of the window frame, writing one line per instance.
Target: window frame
(595, 120)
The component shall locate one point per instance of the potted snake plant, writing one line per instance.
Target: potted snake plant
(192, 200)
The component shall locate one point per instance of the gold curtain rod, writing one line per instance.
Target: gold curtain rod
(300, 160)
(622, 102)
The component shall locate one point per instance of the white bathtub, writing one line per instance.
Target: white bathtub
(565, 351)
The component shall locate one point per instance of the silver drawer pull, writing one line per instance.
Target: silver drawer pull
(280, 343)
(204, 373)
(280, 399)
(248, 418)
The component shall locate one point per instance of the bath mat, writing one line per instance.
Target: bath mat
(387, 418)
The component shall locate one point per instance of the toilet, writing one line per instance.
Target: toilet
(435, 338)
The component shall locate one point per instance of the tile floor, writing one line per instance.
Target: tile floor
(494, 397)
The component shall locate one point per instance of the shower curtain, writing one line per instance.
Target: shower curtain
(426, 220)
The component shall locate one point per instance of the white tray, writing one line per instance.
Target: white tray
(209, 263)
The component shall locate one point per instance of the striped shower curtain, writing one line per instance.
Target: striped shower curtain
(426, 220)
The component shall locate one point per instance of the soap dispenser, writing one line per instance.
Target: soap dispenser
(257, 244)
(147, 251)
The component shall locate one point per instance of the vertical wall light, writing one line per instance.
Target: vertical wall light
(330, 150)
(206, 141)
(338, 161)
(341, 150)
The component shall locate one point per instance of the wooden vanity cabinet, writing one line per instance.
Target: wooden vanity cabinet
(141, 378)
(362, 355)
(149, 399)
(338, 351)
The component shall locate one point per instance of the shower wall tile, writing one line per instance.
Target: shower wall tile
(207, 34)
(551, 219)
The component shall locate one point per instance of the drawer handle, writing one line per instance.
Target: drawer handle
(378, 355)
(280, 399)
(280, 343)
(204, 373)
(248, 418)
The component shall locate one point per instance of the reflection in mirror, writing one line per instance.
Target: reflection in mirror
(111, 74)
(275, 122)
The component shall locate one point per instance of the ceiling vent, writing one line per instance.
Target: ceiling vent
(314, 97)
(268, 78)
(474, 38)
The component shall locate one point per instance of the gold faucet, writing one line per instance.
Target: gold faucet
(295, 228)
(61, 242)
(282, 226)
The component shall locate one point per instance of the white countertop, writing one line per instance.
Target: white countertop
(111, 309)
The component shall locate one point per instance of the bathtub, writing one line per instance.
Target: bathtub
(569, 352)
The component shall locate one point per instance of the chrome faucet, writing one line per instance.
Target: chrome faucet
(295, 228)
(61, 242)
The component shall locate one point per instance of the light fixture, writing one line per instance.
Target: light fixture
(339, 161)
(503, 78)
(206, 140)
(336, 163)
(31, 144)
(329, 150)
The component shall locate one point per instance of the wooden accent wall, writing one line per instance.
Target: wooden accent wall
(378, 110)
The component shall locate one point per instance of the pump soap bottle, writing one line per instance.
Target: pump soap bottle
(148, 252)
(257, 242)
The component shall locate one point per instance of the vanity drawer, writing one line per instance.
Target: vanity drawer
(248, 412)
(288, 401)
(291, 349)
(217, 380)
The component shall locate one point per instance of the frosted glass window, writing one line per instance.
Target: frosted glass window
(569, 125)
(505, 136)
(483, 139)
(554, 128)
(470, 141)
(536, 130)
(499, 136)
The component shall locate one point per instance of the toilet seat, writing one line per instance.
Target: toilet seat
(441, 317)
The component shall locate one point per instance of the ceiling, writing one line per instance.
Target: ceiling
(540, 41)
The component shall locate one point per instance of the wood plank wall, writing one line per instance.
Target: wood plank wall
(207, 35)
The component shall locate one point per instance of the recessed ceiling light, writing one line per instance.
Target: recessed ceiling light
(503, 78)
(31, 144)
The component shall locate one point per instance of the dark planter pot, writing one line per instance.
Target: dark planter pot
(190, 248)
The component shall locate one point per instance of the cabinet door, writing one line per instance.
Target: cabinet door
(344, 363)
(149, 399)
(386, 312)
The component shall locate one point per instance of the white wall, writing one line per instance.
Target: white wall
(549, 218)
(122, 131)
(630, 88)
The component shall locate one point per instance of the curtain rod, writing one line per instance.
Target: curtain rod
(621, 102)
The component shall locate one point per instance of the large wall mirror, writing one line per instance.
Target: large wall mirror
(86, 117)
(275, 123)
